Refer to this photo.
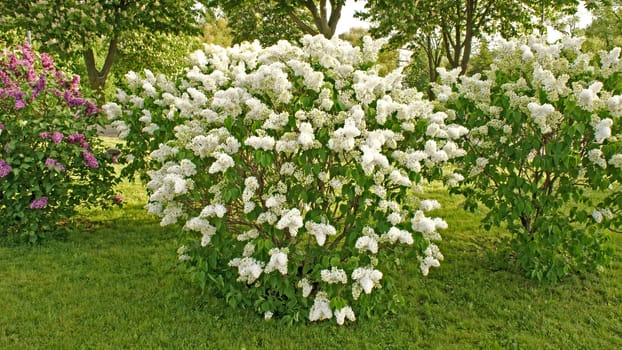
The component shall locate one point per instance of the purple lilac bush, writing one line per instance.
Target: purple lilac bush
(50, 158)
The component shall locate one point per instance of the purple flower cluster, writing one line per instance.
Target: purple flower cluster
(5, 168)
(53, 164)
(80, 139)
(39, 203)
(14, 71)
(90, 160)
(47, 62)
(56, 137)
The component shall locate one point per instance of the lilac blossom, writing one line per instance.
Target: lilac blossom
(57, 137)
(53, 164)
(39, 86)
(44, 135)
(72, 100)
(79, 138)
(5, 168)
(47, 61)
(39, 203)
(90, 160)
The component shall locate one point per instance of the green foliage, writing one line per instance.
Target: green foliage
(266, 21)
(605, 31)
(90, 291)
(217, 32)
(544, 129)
(50, 160)
(274, 20)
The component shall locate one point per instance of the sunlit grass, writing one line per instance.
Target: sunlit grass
(115, 284)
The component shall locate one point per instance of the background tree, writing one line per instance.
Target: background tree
(77, 28)
(218, 32)
(605, 31)
(448, 30)
(272, 20)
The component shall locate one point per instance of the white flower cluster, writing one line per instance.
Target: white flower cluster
(433, 258)
(320, 231)
(315, 136)
(278, 261)
(365, 280)
(334, 275)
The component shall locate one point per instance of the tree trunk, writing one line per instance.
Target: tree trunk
(97, 78)
(468, 36)
(326, 25)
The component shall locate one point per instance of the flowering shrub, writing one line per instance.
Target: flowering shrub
(50, 160)
(295, 173)
(150, 111)
(543, 150)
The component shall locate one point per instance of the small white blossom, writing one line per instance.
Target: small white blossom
(290, 220)
(596, 156)
(320, 231)
(305, 286)
(344, 313)
(249, 269)
(603, 130)
(222, 163)
(616, 161)
(320, 310)
(366, 278)
(334, 275)
(432, 258)
(278, 261)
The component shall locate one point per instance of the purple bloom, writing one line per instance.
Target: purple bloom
(17, 95)
(52, 164)
(39, 203)
(60, 76)
(27, 52)
(75, 83)
(38, 86)
(75, 138)
(118, 199)
(44, 135)
(19, 104)
(57, 137)
(91, 109)
(5, 168)
(89, 160)
(73, 101)
(47, 61)
(79, 138)
(31, 75)
(1, 126)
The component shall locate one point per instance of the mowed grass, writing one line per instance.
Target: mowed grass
(115, 284)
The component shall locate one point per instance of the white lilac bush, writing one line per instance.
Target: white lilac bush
(296, 173)
(544, 150)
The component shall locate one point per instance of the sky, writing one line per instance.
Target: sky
(347, 20)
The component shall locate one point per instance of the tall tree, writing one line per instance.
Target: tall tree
(448, 29)
(450, 26)
(273, 20)
(76, 28)
(605, 31)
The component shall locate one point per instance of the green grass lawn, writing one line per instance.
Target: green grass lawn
(116, 284)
